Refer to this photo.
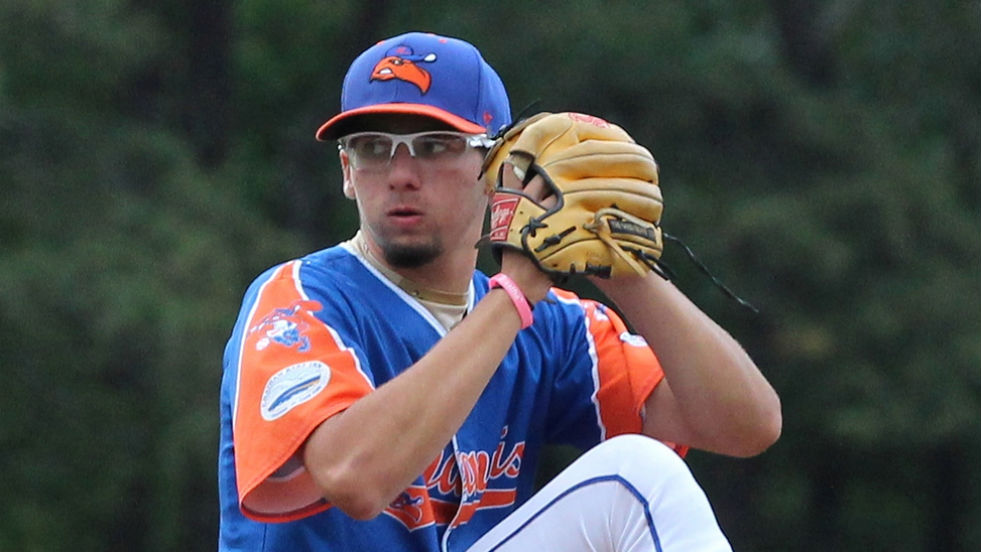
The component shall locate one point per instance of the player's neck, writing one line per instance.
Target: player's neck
(445, 279)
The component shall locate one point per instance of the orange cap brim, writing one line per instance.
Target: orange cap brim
(325, 133)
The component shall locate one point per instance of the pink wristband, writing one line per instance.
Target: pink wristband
(505, 282)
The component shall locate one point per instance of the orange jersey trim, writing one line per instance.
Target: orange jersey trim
(626, 369)
(294, 372)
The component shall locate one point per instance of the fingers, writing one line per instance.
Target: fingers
(511, 176)
(536, 189)
(541, 192)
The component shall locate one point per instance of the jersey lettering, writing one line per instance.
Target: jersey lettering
(470, 474)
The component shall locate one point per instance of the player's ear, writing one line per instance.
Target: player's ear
(346, 172)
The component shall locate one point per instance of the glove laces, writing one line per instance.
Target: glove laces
(705, 270)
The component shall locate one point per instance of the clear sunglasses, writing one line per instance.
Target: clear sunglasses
(375, 150)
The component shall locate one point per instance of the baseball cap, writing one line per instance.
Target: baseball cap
(423, 74)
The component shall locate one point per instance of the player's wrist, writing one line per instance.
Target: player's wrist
(518, 299)
(533, 282)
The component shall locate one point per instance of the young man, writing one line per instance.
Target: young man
(382, 394)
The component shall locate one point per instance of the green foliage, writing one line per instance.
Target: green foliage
(821, 158)
(116, 296)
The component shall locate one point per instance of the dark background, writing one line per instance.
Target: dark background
(821, 157)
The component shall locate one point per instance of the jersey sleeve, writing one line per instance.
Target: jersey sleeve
(294, 372)
(609, 374)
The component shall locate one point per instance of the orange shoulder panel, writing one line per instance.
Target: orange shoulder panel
(294, 373)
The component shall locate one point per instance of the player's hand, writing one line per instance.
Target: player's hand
(532, 281)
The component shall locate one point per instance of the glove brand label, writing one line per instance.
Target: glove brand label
(502, 211)
(589, 120)
(632, 229)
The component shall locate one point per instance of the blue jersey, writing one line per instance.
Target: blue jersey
(316, 334)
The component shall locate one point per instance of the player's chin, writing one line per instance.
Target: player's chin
(411, 253)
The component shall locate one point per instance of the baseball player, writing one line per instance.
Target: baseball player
(383, 394)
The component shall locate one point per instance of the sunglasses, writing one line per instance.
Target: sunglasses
(374, 150)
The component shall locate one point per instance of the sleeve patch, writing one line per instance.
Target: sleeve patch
(286, 327)
(293, 386)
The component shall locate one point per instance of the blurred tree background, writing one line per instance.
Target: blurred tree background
(824, 158)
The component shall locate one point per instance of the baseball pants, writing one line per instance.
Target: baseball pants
(628, 494)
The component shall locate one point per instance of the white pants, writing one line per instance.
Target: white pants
(628, 494)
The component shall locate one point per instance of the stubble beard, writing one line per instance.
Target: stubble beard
(411, 255)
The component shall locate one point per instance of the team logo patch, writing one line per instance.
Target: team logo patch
(285, 327)
(402, 63)
(291, 387)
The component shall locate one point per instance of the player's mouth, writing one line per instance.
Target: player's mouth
(405, 215)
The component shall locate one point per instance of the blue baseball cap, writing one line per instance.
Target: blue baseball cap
(423, 74)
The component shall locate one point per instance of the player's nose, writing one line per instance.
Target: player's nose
(403, 169)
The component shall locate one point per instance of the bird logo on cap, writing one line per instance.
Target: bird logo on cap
(401, 63)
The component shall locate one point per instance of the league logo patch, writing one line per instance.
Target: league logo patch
(401, 63)
(291, 387)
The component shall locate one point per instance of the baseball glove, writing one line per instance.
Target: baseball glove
(605, 220)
